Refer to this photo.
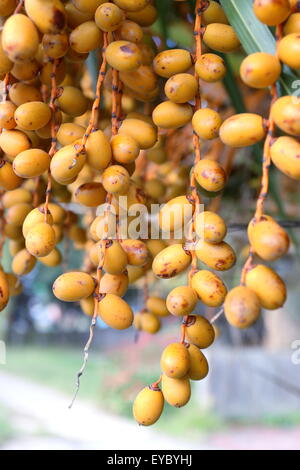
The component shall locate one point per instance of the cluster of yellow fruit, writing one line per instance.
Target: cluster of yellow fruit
(60, 140)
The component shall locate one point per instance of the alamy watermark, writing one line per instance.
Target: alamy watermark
(295, 357)
(141, 221)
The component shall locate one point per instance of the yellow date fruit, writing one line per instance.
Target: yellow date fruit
(171, 261)
(210, 289)
(268, 286)
(20, 38)
(199, 331)
(285, 153)
(182, 300)
(148, 406)
(242, 130)
(176, 392)
(73, 286)
(175, 360)
(241, 307)
(198, 363)
(115, 312)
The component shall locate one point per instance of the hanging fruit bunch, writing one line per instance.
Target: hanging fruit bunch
(155, 127)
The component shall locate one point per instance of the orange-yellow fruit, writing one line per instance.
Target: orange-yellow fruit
(285, 153)
(176, 392)
(268, 286)
(7, 110)
(20, 93)
(108, 17)
(73, 286)
(169, 115)
(7, 7)
(31, 163)
(66, 164)
(116, 179)
(32, 116)
(115, 259)
(210, 227)
(23, 262)
(86, 37)
(90, 194)
(123, 56)
(150, 323)
(175, 214)
(132, 5)
(144, 17)
(130, 31)
(171, 62)
(148, 406)
(53, 259)
(260, 70)
(214, 14)
(5, 63)
(48, 15)
(241, 307)
(210, 175)
(98, 160)
(125, 148)
(289, 49)
(182, 300)
(137, 252)
(34, 217)
(286, 114)
(4, 290)
(115, 312)
(198, 369)
(72, 101)
(206, 123)
(143, 132)
(10, 198)
(55, 45)
(17, 213)
(8, 179)
(40, 239)
(292, 25)
(181, 88)
(242, 130)
(210, 67)
(87, 305)
(69, 132)
(13, 142)
(87, 6)
(209, 287)
(221, 37)
(199, 331)
(218, 256)
(171, 261)
(157, 305)
(269, 240)
(272, 12)
(175, 360)
(116, 284)
(20, 38)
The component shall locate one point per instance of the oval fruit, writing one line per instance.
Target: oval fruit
(148, 406)
(241, 307)
(115, 312)
(73, 286)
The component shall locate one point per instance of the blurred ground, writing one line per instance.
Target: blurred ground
(42, 420)
(37, 385)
